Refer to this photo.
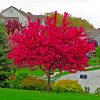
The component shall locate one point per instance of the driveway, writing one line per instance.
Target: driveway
(92, 81)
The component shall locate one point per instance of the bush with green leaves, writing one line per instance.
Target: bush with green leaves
(20, 74)
(17, 80)
(34, 83)
(97, 91)
(3, 79)
(67, 86)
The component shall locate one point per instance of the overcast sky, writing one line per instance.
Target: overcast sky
(87, 9)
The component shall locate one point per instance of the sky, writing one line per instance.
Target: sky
(85, 9)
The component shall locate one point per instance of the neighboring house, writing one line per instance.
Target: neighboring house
(2, 18)
(21, 16)
(95, 34)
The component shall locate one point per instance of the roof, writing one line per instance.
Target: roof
(15, 9)
(35, 17)
(32, 17)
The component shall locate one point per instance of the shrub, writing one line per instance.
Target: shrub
(3, 79)
(21, 74)
(67, 86)
(97, 91)
(17, 79)
(87, 89)
(33, 83)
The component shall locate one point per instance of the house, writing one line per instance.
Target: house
(94, 34)
(2, 18)
(18, 14)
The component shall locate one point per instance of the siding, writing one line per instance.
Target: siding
(11, 12)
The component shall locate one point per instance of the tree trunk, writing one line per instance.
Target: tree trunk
(48, 87)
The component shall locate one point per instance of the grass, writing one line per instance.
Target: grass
(94, 68)
(94, 61)
(14, 94)
(38, 72)
(61, 74)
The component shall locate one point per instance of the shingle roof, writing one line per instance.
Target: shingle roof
(15, 9)
(35, 17)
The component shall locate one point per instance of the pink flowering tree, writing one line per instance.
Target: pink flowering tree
(12, 26)
(50, 47)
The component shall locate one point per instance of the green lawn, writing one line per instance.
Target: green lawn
(14, 94)
(61, 74)
(94, 68)
(38, 72)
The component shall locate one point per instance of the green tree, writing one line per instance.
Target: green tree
(78, 22)
(4, 62)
